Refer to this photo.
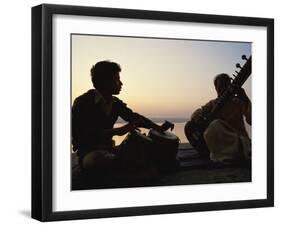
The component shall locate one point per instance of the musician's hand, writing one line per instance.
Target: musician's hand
(167, 125)
(125, 129)
(241, 94)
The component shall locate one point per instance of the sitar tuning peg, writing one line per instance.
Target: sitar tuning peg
(244, 57)
(238, 66)
(237, 72)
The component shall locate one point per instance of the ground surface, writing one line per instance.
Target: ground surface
(191, 170)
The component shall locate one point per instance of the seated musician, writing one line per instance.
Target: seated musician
(225, 137)
(94, 114)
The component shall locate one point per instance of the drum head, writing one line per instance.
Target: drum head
(164, 135)
(141, 136)
(135, 138)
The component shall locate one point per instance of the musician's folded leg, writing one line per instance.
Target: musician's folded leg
(197, 141)
(98, 161)
(223, 142)
(136, 164)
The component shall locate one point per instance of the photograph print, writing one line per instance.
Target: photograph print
(159, 112)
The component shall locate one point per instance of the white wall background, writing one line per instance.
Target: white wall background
(15, 114)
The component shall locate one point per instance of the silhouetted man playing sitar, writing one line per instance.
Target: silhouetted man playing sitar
(225, 139)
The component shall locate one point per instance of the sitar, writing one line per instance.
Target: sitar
(194, 130)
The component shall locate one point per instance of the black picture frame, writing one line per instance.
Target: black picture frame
(42, 106)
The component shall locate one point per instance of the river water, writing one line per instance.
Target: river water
(178, 130)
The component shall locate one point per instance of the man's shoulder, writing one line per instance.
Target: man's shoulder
(119, 103)
(211, 102)
(117, 100)
(233, 101)
(85, 97)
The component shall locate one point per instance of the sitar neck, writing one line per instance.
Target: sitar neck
(237, 82)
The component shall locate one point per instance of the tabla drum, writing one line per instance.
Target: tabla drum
(166, 148)
(136, 151)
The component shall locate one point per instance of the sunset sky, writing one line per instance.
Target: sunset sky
(161, 77)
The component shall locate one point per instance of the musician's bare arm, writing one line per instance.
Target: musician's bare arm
(139, 120)
(247, 112)
(247, 105)
(120, 131)
(148, 124)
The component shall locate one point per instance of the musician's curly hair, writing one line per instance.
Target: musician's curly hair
(222, 76)
(103, 72)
